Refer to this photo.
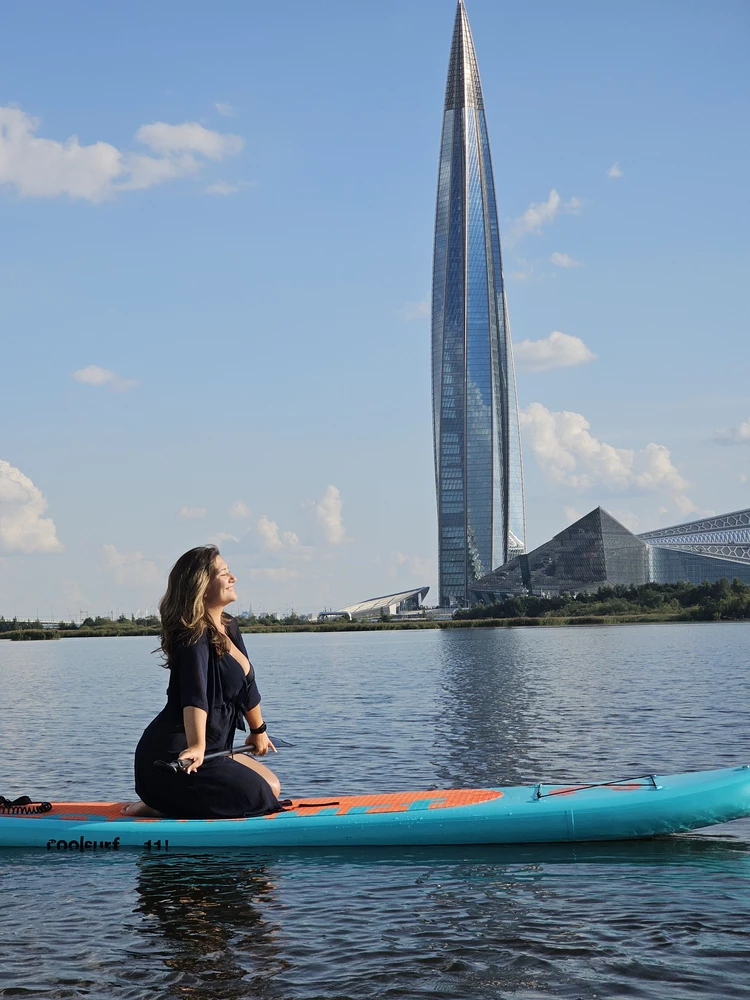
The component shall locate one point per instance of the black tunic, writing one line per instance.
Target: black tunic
(221, 787)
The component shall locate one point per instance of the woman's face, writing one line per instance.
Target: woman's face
(221, 588)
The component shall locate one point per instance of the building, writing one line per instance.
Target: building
(723, 535)
(405, 603)
(597, 551)
(478, 473)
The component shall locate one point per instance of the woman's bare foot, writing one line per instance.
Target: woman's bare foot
(140, 809)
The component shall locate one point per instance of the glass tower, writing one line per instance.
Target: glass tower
(478, 472)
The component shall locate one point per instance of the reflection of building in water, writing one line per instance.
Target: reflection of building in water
(485, 731)
(598, 551)
(207, 913)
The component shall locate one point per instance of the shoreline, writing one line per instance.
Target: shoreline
(42, 635)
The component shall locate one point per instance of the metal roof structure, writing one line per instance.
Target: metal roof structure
(389, 603)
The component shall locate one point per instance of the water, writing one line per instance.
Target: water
(386, 711)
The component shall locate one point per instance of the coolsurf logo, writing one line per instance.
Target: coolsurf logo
(84, 845)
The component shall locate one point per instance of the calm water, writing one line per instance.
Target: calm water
(382, 711)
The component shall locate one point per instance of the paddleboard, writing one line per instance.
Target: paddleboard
(643, 806)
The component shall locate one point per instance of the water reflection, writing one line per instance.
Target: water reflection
(208, 911)
(487, 709)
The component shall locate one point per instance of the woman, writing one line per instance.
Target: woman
(211, 692)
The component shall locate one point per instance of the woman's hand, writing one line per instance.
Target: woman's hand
(195, 755)
(261, 743)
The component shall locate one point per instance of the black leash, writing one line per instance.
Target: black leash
(23, 806)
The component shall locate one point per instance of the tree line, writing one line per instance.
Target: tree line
(720, 601)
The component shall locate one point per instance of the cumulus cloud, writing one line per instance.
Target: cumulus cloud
(272, 539)
(46, 168)
(192, 513)
(564, 260)
(539, 214)
(419, 568)
(22, 526)
(559, 350)
(224, 109)
(222, 188)
(94, 375)
(628, 518)
(571, 456)
(189, 137)
(614, 171)
(224, 536)
(130, 569)
(416, 310)
(239, 511)
(572, 514)
(734, 435)
(328, 514)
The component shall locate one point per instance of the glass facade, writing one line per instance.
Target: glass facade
(478, 473)
(725, 535)
(598, 551)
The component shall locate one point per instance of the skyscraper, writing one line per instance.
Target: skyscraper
(478, 472)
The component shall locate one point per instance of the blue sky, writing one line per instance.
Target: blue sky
(215, 259)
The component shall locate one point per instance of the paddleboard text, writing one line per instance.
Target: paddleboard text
(84, 845)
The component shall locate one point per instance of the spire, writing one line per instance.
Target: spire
(464, 89)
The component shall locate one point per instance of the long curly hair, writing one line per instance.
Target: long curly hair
(184, 618)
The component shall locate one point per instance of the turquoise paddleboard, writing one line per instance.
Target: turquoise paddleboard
(646, 806)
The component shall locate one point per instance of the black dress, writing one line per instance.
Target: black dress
(220, 788)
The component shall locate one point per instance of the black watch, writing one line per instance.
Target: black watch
(261, 729)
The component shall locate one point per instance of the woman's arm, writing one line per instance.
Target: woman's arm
(194, 720)
(260, 741)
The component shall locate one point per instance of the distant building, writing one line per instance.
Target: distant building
(597, 551)
(724, 535)
(407, 602)
(477, 443)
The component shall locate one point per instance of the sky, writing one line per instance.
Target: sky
(215, 267)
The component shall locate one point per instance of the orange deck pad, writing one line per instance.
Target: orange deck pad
(393, 802)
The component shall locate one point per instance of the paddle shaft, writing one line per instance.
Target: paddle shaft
(181, 765)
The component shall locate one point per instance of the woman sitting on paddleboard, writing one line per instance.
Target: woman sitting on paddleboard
(211, 692)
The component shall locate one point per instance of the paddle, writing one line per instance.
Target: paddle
(181, 765)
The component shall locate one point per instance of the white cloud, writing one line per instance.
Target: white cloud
(22, 527)
(564, 260)
(572, 514)
(328, 513)
(614, 171)
(224, 109)
(628, 518)
(524, 270)
(734, 435)
(272, 539)
(571, 456)
(222, 188)
(189, 137)
(192, 513)
(420, 569)
(130, 569)
(743, 477)
(224, 536)
(46, 168)
(539, 214)
(94, 375)
(239, 511)
(416, 310)
(559, 350)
